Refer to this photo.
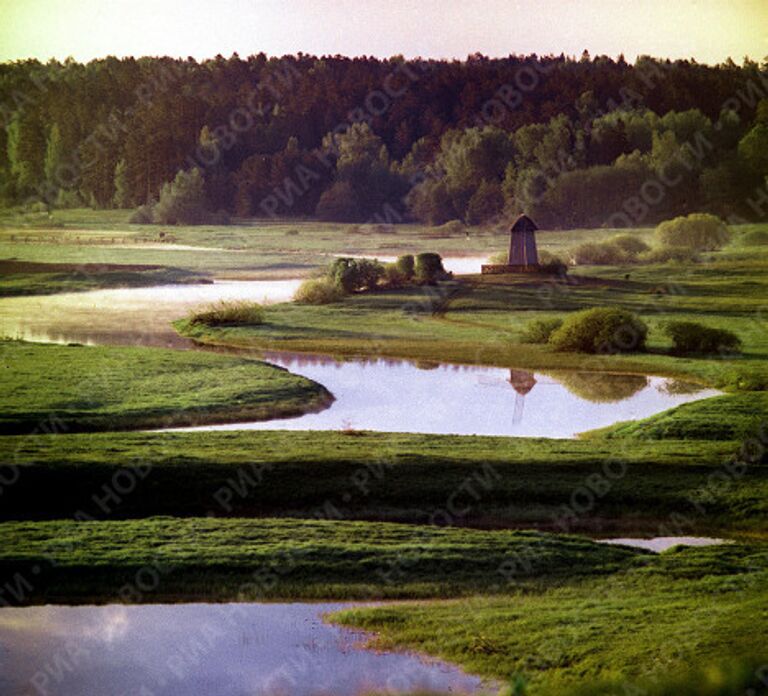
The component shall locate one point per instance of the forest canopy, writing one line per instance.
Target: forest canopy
(586, 142)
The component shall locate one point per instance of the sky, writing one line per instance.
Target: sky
(709, 31)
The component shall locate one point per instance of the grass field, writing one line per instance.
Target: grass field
(252, 515)
(685, 607)
(601, 486)
(240, 559)
(28, 278)
(76, 388)
(480, 320)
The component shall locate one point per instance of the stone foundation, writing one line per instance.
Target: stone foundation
(496, 268)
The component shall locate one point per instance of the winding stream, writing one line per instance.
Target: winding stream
(275, 649)
(379, 394)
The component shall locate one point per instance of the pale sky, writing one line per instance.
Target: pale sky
(708, 30)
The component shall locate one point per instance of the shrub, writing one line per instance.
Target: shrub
(600, 330)
(623, 248)
(699, 231)
(229, 313)
(540, 330)
(499, 258)
(406, 265)
(599, 254)
(356, 274)
(142, 215)
(547, 258)
(631, 244)
(669, 254)
(393, 276)
(429, 268)
(182, 201)
(689, 338)
(318, 291)
(754, 238)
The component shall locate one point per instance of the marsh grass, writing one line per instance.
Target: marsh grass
(229, 313)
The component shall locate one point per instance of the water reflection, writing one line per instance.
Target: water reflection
(601, 387)
(392, 395)
(204, 649)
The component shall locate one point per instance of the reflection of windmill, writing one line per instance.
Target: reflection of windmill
(523, 382)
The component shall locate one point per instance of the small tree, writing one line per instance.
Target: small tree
(429, 268)
(182, 201)
(699, 231)
(355, 274)
(600, 330)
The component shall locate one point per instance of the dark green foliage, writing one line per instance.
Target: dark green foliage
(423, 159)
(690, 338)
(540, 330)
(406, 264)
(429, 268)
(603, 330)
(142, 215)
(183, 201)
(352, 275)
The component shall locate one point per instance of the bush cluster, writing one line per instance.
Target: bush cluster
(610, 330)
(348, 275)
(600, 330)
(621, 249)
(356, 274)
(690, 338)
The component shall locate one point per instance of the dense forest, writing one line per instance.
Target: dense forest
(589, 141)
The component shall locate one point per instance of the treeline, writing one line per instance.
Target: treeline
(572, 142)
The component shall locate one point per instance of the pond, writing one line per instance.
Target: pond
(205, 649)
(402, 396)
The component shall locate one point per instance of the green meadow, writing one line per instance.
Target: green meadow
(489, 534)
(84, 388)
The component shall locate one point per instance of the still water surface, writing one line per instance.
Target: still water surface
(400, 396)
(382, 395)
(205, 649)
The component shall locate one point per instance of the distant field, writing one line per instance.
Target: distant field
(75, 388)
(481, 319)
(248, 249)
